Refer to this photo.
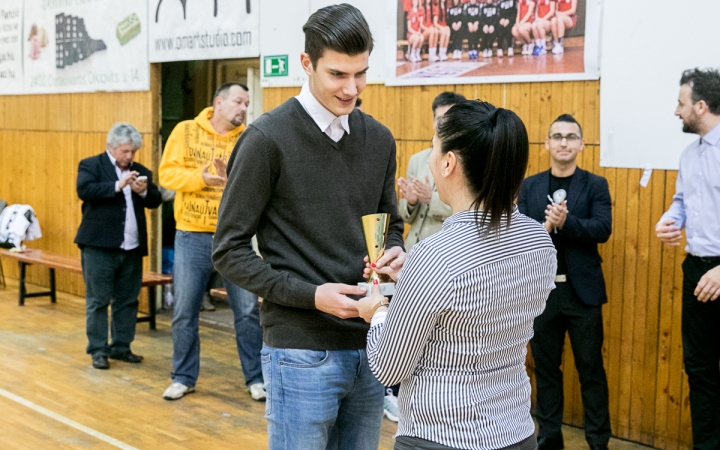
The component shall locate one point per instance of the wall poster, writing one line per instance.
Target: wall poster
(84, 46)
(183, 30)
(491, 41)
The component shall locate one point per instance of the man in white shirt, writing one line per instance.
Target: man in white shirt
(112, 238)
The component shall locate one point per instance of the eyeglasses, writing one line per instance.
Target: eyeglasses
(571, 138)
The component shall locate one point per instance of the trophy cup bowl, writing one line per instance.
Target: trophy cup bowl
(375, 229)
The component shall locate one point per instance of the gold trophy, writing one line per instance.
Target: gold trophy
(375, 229)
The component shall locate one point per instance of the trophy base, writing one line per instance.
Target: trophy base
(386, 289)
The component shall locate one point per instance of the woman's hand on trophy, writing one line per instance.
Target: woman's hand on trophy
(367, 306)
(389, 264)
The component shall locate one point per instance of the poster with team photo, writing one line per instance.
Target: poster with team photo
(85, 46)
(491, 41)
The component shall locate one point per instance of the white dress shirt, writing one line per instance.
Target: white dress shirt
(130, 238)
(696, 203)
(334, 126)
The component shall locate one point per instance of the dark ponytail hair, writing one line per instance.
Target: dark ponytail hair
(492, 148)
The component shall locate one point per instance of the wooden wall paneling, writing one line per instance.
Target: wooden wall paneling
(591, 112)
(646, 404)
(633, 419)
(517, 99)
(628, 303)
(664, 338)
(613, 334)
(375, 103)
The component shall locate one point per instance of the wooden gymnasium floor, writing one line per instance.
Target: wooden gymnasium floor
(51, 397)
(570, 62)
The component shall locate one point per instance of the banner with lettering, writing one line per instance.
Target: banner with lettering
(11, 80)
(183, 30)
(85, 46)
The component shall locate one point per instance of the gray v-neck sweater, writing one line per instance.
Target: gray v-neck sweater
(303, 195)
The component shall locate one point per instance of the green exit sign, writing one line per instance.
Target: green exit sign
(275, 66)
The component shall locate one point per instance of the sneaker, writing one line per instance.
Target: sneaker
(433, 58)
(539, 50)
(257, 392)
(558, 49)
(443, 56)
(511, 52)
(499, 53)
(391, 410)
(207, 304)
(457, 54)
(176, 391)
(526, 49)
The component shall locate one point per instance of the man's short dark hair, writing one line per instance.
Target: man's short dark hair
(447, 99)
(340, 28)
(568, 118)
(224, 89)
(705, 85)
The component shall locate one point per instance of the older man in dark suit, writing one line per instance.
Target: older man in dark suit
(574, 205)
(113, 240)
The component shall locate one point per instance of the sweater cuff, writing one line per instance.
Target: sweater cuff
(305, 294)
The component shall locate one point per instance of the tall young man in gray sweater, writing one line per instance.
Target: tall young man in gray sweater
(301, 177)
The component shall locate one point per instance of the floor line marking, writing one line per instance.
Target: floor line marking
(66, 421)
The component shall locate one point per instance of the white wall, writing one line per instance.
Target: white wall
(281, 33)
(646, 45)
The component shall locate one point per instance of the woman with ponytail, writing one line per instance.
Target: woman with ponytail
(456, 332)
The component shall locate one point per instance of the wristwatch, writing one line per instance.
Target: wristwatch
(383, 302)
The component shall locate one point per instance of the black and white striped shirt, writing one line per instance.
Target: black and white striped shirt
(457, 331)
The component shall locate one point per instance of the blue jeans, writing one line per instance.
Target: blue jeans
(193, 267)
(111, 274)
(318, 399)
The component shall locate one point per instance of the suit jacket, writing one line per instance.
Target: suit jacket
(425, 220)
(103, 209)
(589, 222)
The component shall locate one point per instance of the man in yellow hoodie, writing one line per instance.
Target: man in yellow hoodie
(193, 165)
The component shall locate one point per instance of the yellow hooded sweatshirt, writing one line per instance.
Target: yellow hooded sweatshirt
(192, 145)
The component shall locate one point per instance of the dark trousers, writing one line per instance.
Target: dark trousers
(488, 39)
(473, 39)
(505, 37)
(111, 275)
(565, 312)
(456, 38)
(416, 443)
(701, 354)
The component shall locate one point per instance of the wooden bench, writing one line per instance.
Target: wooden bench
(221, 293)
(53, 261)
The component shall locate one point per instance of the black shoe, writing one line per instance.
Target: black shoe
(100, 362)
(599, 447)
(551, 444)
(128, 356)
